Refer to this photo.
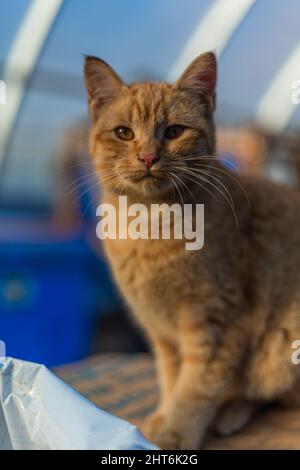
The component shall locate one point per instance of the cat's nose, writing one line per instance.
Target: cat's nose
(148, 158)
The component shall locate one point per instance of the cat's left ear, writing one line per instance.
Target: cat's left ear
(200, 77)
(103, 84)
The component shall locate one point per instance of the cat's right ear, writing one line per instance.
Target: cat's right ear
(102, 83)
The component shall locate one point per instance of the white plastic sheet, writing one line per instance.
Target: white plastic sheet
(40, 411)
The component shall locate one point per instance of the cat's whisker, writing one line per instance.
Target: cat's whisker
(216, 168)
(120, 188)
(195, 181)
(83, 163)
(227, 173)
(202, 178)
(212, 158)
(108, 174)
(80, 180)
(109, 179)
(90, 180)
(231, 205)
(206, 178)
(87, 178)
(183, 183)
(92, 186)
(92, 201)
(78, 187)
(172, 186)
(94, 198)
(214, 178)
(199, 156)
(179, 192)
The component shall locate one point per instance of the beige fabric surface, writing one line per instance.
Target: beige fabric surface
(125, 385)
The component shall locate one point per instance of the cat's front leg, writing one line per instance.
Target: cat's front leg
(192, 411)
(207, 363)
(167, 365)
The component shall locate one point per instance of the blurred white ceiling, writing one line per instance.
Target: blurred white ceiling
(257, 43)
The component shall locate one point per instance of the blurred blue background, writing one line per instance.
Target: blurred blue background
(55, 288)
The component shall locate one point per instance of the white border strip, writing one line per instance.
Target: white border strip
(213, 32)
(22, 59)
(276, 107)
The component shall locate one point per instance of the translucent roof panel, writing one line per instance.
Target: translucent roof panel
(141, 40)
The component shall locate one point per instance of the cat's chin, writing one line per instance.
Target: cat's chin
(149, 187)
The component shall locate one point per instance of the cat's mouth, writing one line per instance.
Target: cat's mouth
(145, 175)
(147, 182)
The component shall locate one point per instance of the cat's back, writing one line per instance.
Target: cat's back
(274, 234)
(274, 205)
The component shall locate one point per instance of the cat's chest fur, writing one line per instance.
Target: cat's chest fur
(149, 274)
(157, 276)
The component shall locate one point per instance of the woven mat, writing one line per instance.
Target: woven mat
(125, 385)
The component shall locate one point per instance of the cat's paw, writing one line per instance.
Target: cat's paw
(234, 417)
(155, 430)
(169, 438)
(152, 424)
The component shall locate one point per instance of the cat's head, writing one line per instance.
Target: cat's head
(145, 136)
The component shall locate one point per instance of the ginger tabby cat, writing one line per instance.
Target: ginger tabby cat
(220, 320)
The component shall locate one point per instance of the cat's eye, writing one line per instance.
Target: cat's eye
(124, 133)
(173, 132)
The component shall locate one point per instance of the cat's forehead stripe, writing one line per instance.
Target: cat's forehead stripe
(149, 101)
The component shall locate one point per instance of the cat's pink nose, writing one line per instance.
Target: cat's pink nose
(148, 158)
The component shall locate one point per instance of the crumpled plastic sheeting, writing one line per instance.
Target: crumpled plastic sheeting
(40, 411)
